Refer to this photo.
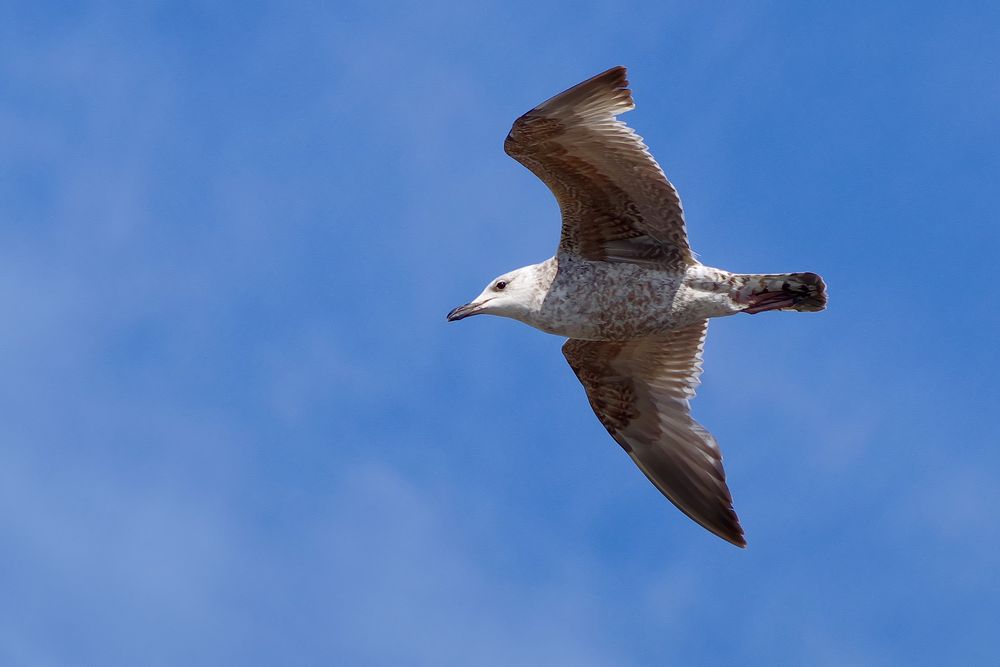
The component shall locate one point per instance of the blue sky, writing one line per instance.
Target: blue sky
(236, 429)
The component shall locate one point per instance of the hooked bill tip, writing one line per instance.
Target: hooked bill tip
(457, 313)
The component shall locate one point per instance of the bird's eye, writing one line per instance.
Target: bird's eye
(501, 284)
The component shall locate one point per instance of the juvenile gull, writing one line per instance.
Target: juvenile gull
(627, 291)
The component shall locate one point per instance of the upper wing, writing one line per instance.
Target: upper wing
(616, 203)
(640, 390)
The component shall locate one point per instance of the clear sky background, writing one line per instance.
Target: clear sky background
(235, 428)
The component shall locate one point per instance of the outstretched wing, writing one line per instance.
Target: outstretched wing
(640, 391)
(616, 203)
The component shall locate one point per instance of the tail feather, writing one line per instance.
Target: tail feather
(805, 292)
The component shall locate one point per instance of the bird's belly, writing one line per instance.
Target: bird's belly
(616, 302)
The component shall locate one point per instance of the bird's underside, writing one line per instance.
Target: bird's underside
(625, 278)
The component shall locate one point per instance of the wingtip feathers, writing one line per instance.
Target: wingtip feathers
(607, 92)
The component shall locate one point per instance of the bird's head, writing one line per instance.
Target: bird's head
(512, 295)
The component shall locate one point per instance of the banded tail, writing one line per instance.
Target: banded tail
(804, 292)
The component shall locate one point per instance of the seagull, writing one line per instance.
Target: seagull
(627, 291)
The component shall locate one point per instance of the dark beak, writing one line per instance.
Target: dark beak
(463, 312)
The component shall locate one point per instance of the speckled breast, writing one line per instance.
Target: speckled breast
(605, 301)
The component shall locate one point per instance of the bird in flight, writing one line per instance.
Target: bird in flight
(626, 289)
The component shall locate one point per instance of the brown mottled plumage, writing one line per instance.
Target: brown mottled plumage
(626, 289)
(615, 201)
(640, 389)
